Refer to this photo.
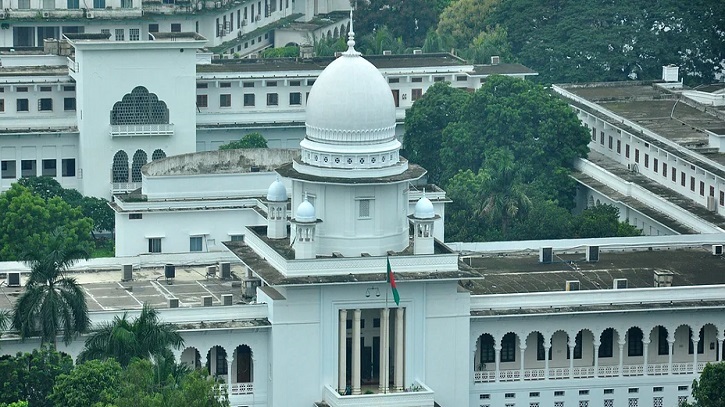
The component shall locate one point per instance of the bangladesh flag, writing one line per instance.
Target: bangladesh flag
(391, 280)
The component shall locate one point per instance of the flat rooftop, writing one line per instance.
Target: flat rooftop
(658, 110)
(319, 63)
(509, 273)
(106, 292)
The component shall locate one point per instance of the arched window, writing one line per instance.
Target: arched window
(635, 347)
(119, 171)
(336, 33)
(139, 160)
(245, 366)
(220, 361)
(140, 107)
(486, 351)
(158, 154)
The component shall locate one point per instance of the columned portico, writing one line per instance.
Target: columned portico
(359, 374)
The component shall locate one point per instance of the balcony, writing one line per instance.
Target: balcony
(240, 389)
(558, 373)
(141, 130)
(121, 187)
(419, 396)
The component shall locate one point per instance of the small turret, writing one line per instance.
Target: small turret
(423, 218)
(277, 210)
(305, 221)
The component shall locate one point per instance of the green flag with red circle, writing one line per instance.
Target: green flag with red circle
(393, 286)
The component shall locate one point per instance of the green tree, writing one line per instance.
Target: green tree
(30, 376)
(251, 140)
(29, 220)
(379, 40)
(489, 43)
(708, 390)
(408, 20)
(281, 52)
(144, 337)
(87, 384)
(141, 386)
(602, 221)
(463, 20)
(545, 220)
(52, 302)
(573, 41)
(425, 121)
(502, 197)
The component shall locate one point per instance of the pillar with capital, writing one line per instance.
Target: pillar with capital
(384, 349)
(399, 349)
(342, 353)
(356, 387)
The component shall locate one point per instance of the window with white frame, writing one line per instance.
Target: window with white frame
(196, 244)
(154, 245)
(364, 208)
(134, 34)
(120, 34)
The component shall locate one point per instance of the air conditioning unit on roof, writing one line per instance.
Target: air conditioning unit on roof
(620, 283)
(717, 250)
(572, 285)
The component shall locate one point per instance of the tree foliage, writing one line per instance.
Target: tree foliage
(30, 376)
(29, 220)
(88, 383)
(708, 390)
(250, 140)
(52, 302)
(281, 52)
(574, 41)
(408, 20)
(144, 337)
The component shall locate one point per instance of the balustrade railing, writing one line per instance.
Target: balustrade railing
(239, 389)
(141, 130)
(586, 372)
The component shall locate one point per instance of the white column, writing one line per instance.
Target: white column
(547, 346)
(399, 349)
(645, 353)
(229, 374)
(384, 349)
(621, 356)
(671, 343)
(522, 351)
(695, 342)
(497, 349)
(342, 353)
(596, 357)
(356, 352)
(718, 354)
(571, 344)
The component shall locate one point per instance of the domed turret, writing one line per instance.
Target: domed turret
(350, 120)
(424, 209)
(305, 212)
(277, 192)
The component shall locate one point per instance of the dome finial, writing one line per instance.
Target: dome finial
(351, 40)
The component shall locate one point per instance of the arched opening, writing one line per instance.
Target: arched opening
(119, 170)
(329, 34)
(139, 107)
(139, 160)
(635, 345)
(336, 33)
(216, 361)
(191, 358)
(158, 154)
(659, 335)
(508, 348)
(485, 352)
(244, 365)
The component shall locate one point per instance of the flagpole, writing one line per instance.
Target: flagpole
(387, 278)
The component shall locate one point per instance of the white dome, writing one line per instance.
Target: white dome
(350, 103)
(424, 209)
(305, 212)
(277, 192)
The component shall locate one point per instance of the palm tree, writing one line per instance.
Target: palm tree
(145, 337)
(52, 302)
(503, 197)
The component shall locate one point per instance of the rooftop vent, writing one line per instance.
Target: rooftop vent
(170, 271)
(417, 51)
(670, 73)
(592, 254)
(572, 285)
(226, 299)
(226, 269)
(173, 303)
(387, 52)
(620, 283)
(206, 301)
(127, 272)
(717, 250)
(495, 60)
(546, 255)
(663, 278)
(14, 279)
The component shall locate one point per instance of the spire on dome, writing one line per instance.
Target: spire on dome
(351, 40)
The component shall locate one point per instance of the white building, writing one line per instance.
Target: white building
(601, 322)
(90, 112)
